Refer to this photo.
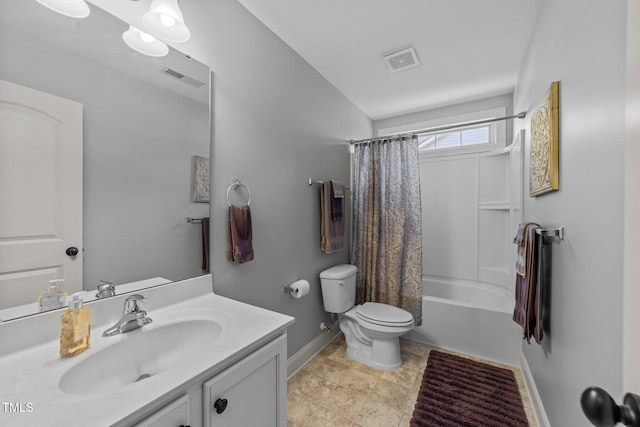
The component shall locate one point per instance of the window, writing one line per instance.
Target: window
(461, 140)
(463, 137)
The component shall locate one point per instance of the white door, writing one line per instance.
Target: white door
(631, 343)
(40, 193)
(631, 289)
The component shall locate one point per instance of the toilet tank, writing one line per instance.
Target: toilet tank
(339, 288)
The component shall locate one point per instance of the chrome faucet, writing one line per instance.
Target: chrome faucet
(132, 318)
(105, 289)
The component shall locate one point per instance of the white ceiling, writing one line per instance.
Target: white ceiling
(469, 49)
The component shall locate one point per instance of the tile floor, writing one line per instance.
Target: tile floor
(333, 390)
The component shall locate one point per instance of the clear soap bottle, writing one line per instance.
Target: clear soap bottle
(54, 297)
(75, 328)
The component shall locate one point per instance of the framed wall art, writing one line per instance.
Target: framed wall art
(544, 145)
(200, 179)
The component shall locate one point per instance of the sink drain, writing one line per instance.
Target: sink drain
(143, 376)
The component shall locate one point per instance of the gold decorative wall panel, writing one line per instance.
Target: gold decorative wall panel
(544, 145)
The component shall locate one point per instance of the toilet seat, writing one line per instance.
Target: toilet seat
(384, 315)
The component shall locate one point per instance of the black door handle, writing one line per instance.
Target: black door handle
(600, 408)
(220, 405)
(72, 251)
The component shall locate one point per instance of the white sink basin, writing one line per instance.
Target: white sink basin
(139, 355)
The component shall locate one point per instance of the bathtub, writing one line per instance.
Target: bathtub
(473, 318)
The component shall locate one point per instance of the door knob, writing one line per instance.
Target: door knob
(72, 251)
(220, 405)
(600, 408)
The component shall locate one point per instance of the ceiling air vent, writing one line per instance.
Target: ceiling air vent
(183, 78)
(402, 60)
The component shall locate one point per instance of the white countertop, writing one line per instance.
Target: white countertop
(29, 378)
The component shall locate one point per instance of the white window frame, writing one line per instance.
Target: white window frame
(498, 131)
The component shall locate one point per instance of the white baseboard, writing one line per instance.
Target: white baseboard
(309, 351)
(534, 397)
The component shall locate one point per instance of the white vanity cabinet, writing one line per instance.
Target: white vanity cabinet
(201, 348)
(253, 392)
(176, 414)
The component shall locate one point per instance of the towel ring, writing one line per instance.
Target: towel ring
(236, 183)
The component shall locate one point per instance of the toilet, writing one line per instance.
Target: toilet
(372, 330)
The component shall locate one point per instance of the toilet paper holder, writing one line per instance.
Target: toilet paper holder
(297, 289)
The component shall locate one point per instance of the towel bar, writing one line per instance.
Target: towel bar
(557, 233)
(193, 220)
(316, 181)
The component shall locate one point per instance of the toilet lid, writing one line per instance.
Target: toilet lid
(384, 314)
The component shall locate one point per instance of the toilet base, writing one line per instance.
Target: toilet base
(380, 351)
(381, 355)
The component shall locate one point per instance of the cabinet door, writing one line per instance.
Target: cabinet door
(250, 393)
(175, 414)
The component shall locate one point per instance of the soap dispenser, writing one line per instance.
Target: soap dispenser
(75, 328)
(53, 297)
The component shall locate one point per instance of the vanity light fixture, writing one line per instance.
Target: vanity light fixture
(144, 43)
(72, 8)
(164, 19)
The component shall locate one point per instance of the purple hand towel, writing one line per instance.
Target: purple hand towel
(337, 201)
(205, 245)
(331, 232)
(240, 246)
(527, 310)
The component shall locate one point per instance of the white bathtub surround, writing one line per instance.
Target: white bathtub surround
(387, 223)
(31, 373)
(471, 318)
(471, 211)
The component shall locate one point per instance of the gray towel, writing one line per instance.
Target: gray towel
(519, 239)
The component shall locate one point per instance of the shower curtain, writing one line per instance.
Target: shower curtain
(387, 224)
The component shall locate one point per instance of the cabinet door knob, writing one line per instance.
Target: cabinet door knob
(220, 405)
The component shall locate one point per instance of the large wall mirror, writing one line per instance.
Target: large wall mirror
(145, 125)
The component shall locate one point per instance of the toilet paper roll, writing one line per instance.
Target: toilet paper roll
(299, 288)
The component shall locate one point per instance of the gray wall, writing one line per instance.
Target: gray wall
(277, 122)
(582, 45)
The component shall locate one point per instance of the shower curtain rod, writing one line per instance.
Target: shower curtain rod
(520, 115)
